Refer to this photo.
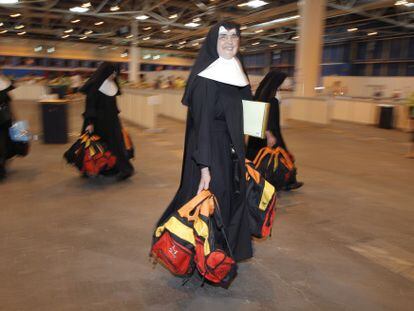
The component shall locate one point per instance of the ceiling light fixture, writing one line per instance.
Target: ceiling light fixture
(15, 15)
(168, 45)
(273, 45)
(173, 16)
(243, 27)
(114, 8)
(98, 23)
(147, 56)
(182, 42)
(51, 49)
(253, 4)
(79, 9)
(129, 36)
(295, 37)
(352, 29)
(38, 48)
(147, 28)
(83, 37)
(192, 25)
(75, 21)
(197, 19)
(86, 5)
(156, 57)
(259, 30)
(166, 31)
(1, 24)
(256, 43)
(68, 30)
(19, 27)
(195, 44)
(3, 31)
(9, 1)
(21, 33)
(65, 36)
(88, 32)
(142, 17)
(374, 33)
(280, 20)
(146, 38)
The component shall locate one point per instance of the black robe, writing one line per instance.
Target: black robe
(214, 125)
(273, 125)
(5, 123)
(101, 110)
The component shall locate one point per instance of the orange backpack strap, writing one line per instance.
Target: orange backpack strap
(127, 139)
(250, 171)
(286, 158)
(261, 154)
(194, 204)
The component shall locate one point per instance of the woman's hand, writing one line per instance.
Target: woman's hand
(89, 128)
(271, 139)
(204, 180)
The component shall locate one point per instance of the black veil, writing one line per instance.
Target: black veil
(99, 76)
(269, 85)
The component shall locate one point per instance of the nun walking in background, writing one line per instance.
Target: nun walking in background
(5, 122)
(214, 156)
(268, 91)
(101, 114)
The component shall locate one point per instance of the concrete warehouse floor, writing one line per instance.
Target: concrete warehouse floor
(345, 241)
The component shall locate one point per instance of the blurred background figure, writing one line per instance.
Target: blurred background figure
(101, 114)
(268, 91)
(5, 122)
(75, 82)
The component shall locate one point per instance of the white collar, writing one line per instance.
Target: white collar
(109, 87)
(227, 71)
(4, 83)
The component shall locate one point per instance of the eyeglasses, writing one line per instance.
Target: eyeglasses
(232, 37)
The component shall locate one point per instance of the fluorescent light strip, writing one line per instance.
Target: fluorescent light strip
(141, 17)
(99, 23)
(75, 21)
(352, 29)
(79, 9)
(192, 25)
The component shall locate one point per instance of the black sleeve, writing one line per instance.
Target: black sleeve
(247, 93)
(90, 109)
(203, 101)
(273, 121)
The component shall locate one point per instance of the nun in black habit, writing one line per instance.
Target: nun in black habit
(268, 92)
(5, 122)
(101, 114)
(214, 153)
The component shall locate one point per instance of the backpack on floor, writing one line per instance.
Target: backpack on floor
(275, 165)
(261, 202)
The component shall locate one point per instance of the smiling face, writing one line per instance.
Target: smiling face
(227, 43)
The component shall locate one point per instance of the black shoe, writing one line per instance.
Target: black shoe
(2, 173)
(123, 175)
(293, 186)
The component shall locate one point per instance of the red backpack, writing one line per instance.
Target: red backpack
(174, 242)
(186, 240)
(214, 264)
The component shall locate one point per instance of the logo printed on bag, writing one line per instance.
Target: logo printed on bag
(173, 251)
